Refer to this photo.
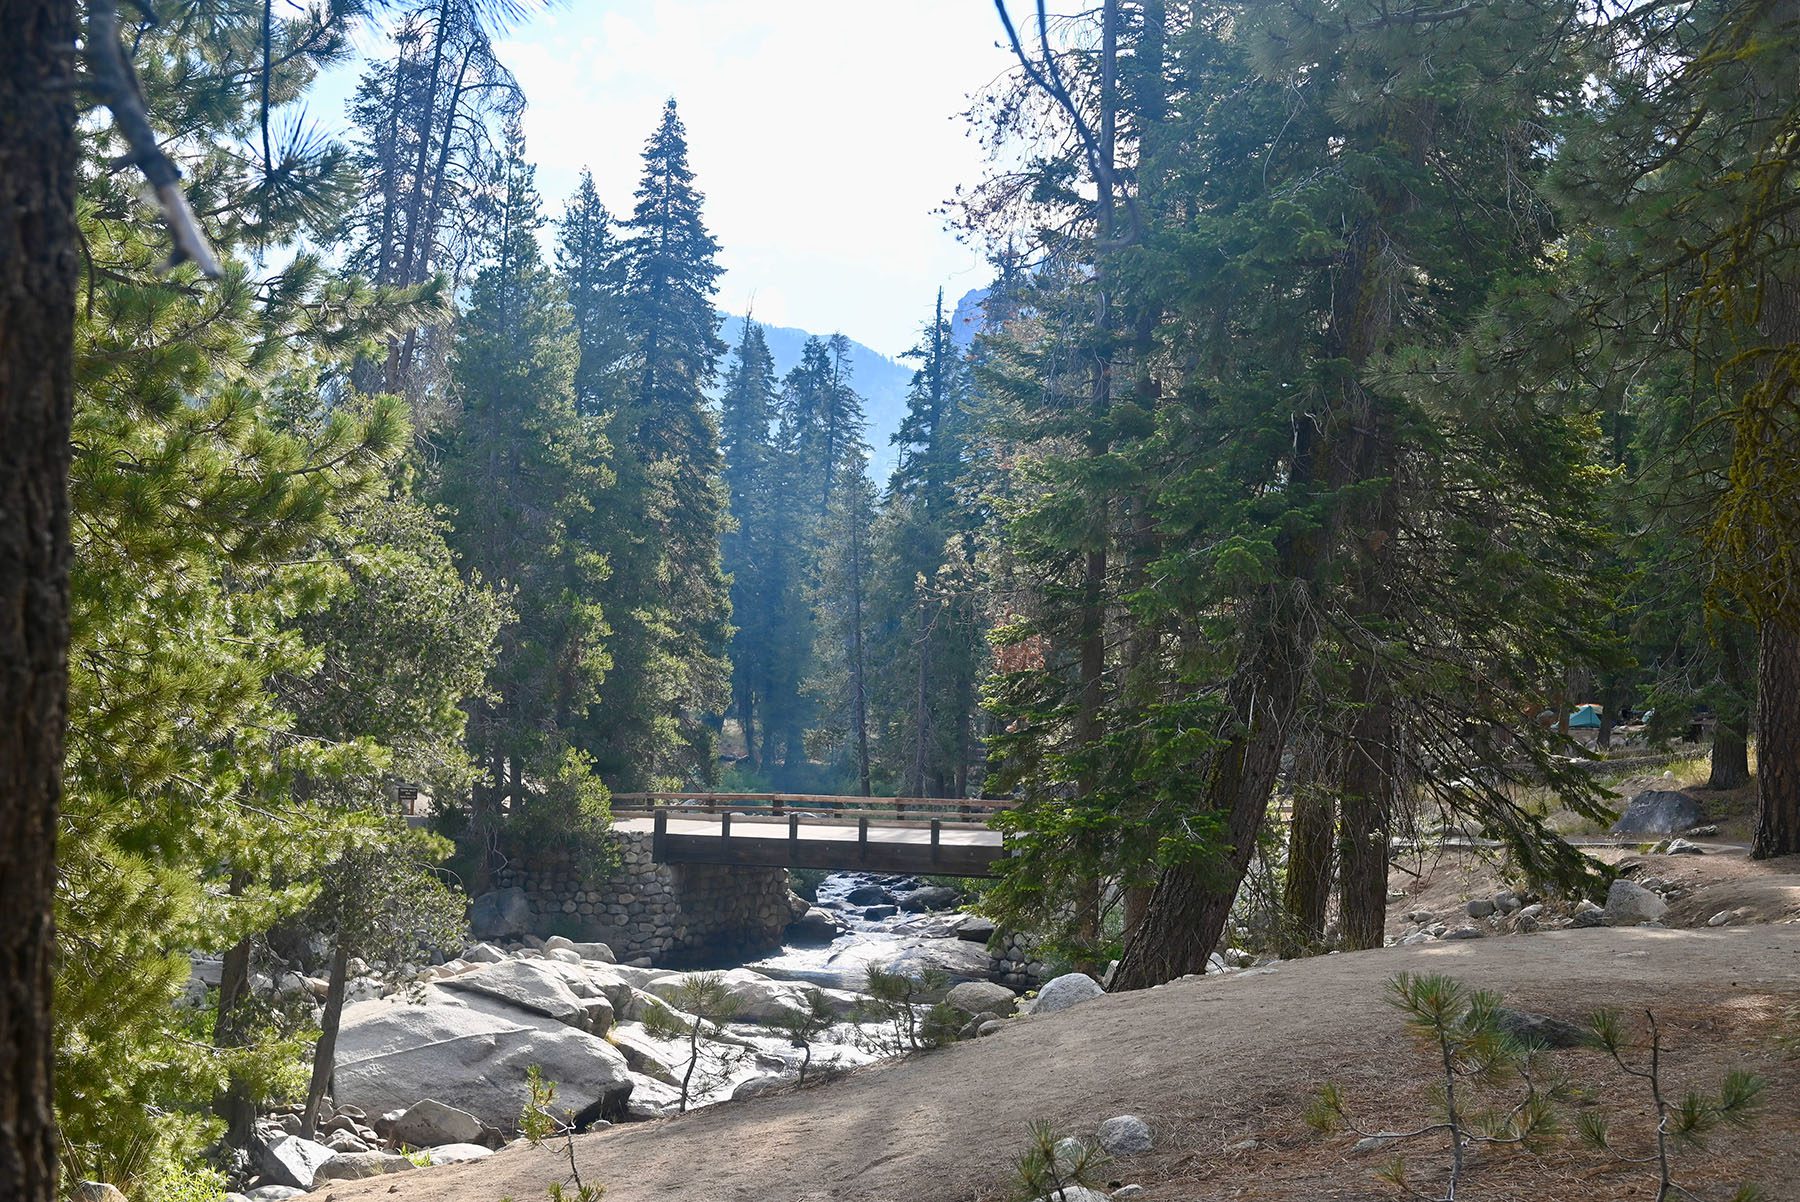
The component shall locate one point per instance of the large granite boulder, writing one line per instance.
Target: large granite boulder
(982, 997)
(814, 926)
(931, 897)
(289, 1160)
(1659, 812)
(759, 999)
(390, 1055)
(429, 1123)
(1628, 904)
(354, 1166)
(548, 987)
(502, 914)
(1070, 989)
(957, 959)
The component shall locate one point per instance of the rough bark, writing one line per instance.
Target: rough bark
(1306, 889)
(1778, 742)
(1191, 901)
(38, 262)
(234, 1104)
(325, 1052)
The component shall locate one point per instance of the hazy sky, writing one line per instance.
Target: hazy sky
(823, 133)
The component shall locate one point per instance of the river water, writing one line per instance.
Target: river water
(890, 940)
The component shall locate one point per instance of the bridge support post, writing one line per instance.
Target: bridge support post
(659, 835)
(862, 839)
(937, 839)
(794, 837)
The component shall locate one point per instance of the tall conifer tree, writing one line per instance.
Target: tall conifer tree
(667, 600)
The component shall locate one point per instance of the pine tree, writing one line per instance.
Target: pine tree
(39, 237)
(589, 261)
(748, 408)
(667, 599)
(521, 476)
(928, 629)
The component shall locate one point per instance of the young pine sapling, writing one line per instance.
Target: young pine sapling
(1687, 1121)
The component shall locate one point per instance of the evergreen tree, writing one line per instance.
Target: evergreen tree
(928, 625)
(521, 476)
(667, 600)
(589, 259)
(748, 408)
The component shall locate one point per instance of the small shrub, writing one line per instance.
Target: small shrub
(1685, 1121)
(804, 1028)
(539, 1124)
(706, 999)
(901, 1018)
(1046, 1167)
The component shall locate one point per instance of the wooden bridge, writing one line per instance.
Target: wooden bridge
(945, 836)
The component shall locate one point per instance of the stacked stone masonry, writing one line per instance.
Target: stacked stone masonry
(669, 913)
(1016, 964)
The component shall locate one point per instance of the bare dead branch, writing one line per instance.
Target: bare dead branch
(111, 78)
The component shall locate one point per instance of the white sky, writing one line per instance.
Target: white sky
(823, 134)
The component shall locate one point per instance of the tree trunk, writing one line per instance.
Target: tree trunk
(1306, 891)
(1367, 815)
(1778, 741)
(1731, 733)
(325, 1054)
(38, 257)
(1192, 900)
(234, 1104)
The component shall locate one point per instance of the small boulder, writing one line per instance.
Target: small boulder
(1070, 989)
(974, 928)
(585, 951)
(869, 895)
(290, 1160)
(430, 1123)
(274, 1193)
(1628, 904)
(1658, 812)
(355, 1166)
(500, 914)
(1542, 1030)
(1074, 1193)
(814, 926)
(982, 997)
(874, 912)
(1464, 933)
(757, 1086)
(485, 953)
(96, 1191)
(345, 1141)
(931, 897)
(1480, 907)
(457, 1153)
(1125, 1135)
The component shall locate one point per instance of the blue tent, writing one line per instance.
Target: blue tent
(1585, 717)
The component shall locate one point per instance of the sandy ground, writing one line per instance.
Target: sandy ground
(1213, 1063)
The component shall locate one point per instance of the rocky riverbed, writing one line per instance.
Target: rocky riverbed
(433, 1065)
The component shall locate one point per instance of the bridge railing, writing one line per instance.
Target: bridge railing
(968, 811)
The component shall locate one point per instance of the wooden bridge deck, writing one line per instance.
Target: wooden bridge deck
(945, 837)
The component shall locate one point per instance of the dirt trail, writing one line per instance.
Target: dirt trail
(1209, 1063)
